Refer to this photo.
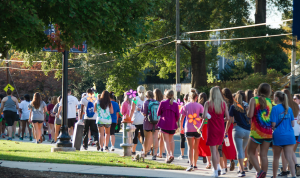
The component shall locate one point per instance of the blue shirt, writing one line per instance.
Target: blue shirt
(239, 118)
(116, 109)
(284, 133)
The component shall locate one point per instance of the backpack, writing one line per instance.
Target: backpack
(152, 112)
(90, 109)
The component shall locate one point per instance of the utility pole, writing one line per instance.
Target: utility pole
(293, 62)
(177, 46)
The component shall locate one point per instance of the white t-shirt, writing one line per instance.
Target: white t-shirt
(84, 102)
(72, 106)
(138, 117)
(25, 112)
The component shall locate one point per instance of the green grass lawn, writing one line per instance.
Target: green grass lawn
(29, 152)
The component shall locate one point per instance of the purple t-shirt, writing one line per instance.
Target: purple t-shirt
(147, 125)
(192, 111)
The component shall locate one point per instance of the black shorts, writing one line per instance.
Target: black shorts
(71, 122)
(37, 121)
(171, 132)
(10, 117)
(192, 134)
(113, 128)
(296, 137)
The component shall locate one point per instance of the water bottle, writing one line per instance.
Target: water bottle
(226, 139)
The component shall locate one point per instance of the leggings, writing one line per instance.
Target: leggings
(240, 140)
(136, 133)
(182, 141)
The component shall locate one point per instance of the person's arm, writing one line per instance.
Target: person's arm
(292, 117)
(133, 105)
(226, 113)
(45, 111)
(17, 102)
(250, 112)
(30, 114)
(111, 109)
(2, 106)
(159, 111)
(181, 121)
(204, 117)
(59, 110)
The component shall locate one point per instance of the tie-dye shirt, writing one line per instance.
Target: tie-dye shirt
(261, 127)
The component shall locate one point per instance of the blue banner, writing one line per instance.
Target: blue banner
(296, 18)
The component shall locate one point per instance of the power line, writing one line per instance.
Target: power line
(238, 27)
(246, 38)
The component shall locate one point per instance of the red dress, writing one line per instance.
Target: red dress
(203, 149)
(229, 151)
(216, 128)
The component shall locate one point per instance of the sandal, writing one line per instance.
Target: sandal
(172, 158)
(169, 160)
(159, 156)
(208, 166)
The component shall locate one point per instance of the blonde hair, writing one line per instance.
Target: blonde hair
(141, 92)
(283, 99)
(216, 100)
(54, 100)
(170, 96)
(193, 95)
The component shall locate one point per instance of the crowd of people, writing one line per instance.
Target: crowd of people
(220, 128)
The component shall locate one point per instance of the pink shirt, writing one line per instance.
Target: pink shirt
(192, 111)
(125, 109)
(169, 115)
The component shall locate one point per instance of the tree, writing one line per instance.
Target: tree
(109, 25)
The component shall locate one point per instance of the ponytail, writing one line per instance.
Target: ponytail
(262, 102)
(141, 92)
(193, 95)
(170, 96)
(264, 91)
(285, 103)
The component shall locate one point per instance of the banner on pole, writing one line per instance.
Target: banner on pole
(296, 18)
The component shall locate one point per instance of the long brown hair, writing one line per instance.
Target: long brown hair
(264, 91)
(104, 100)
(227, 95)
(202, 98)
(238, 103)
(249, 95)
(292, 104)
(37, 99)
(158, 96)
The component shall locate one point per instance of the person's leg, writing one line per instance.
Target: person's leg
(284, 161)
(36, 132)
(101, 136)
(251, 155)
(214, 153)
(238, 143)
(264, 148)
(172, 144)
(161, 144)
(190, 141)
(107, 135)
(14, 128)
(86, 132)
(166, 138)
(220, 157)
(135, 139)
(155, 142)
(288, 152)
(276, 156)
(224, 161)
(182, 144)
(51, 131)
(142, 136)
(208, 160)
(71, 130)
(57, 128)
(196, 143)
(23, 123)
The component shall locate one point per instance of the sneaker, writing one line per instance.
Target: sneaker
(215, 174)
(112, 148)
(154, 157)
(282, 174)
(21, 138)
(30, 138)
(180, 157)
(90, 142)
(85, 148)
(33, 141)
(242, 174)
(226, 170)
(52, 141)
(261, 174)
(106, 149)
(149, 153)
(191, 168)
(101, 149)
(297, 168)
(133, 153)
(223, 172)
(195, 167)
(246, 169)
(9, 138)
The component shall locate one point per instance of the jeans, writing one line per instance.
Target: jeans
(89, 125)
(240, 139)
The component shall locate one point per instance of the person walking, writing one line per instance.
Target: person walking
(169, 116)
(192, 111)
(216, 107)
(104, 109)
(182, 125)
(259, 112)
(89, 118)
(2, 121)
(240, 131)
(137, 117)
(57, 120)
(23, 109)
(72, 107)
(51, 120)
(38, 109)
(114, 120)
(9, 106)
(282, 119)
